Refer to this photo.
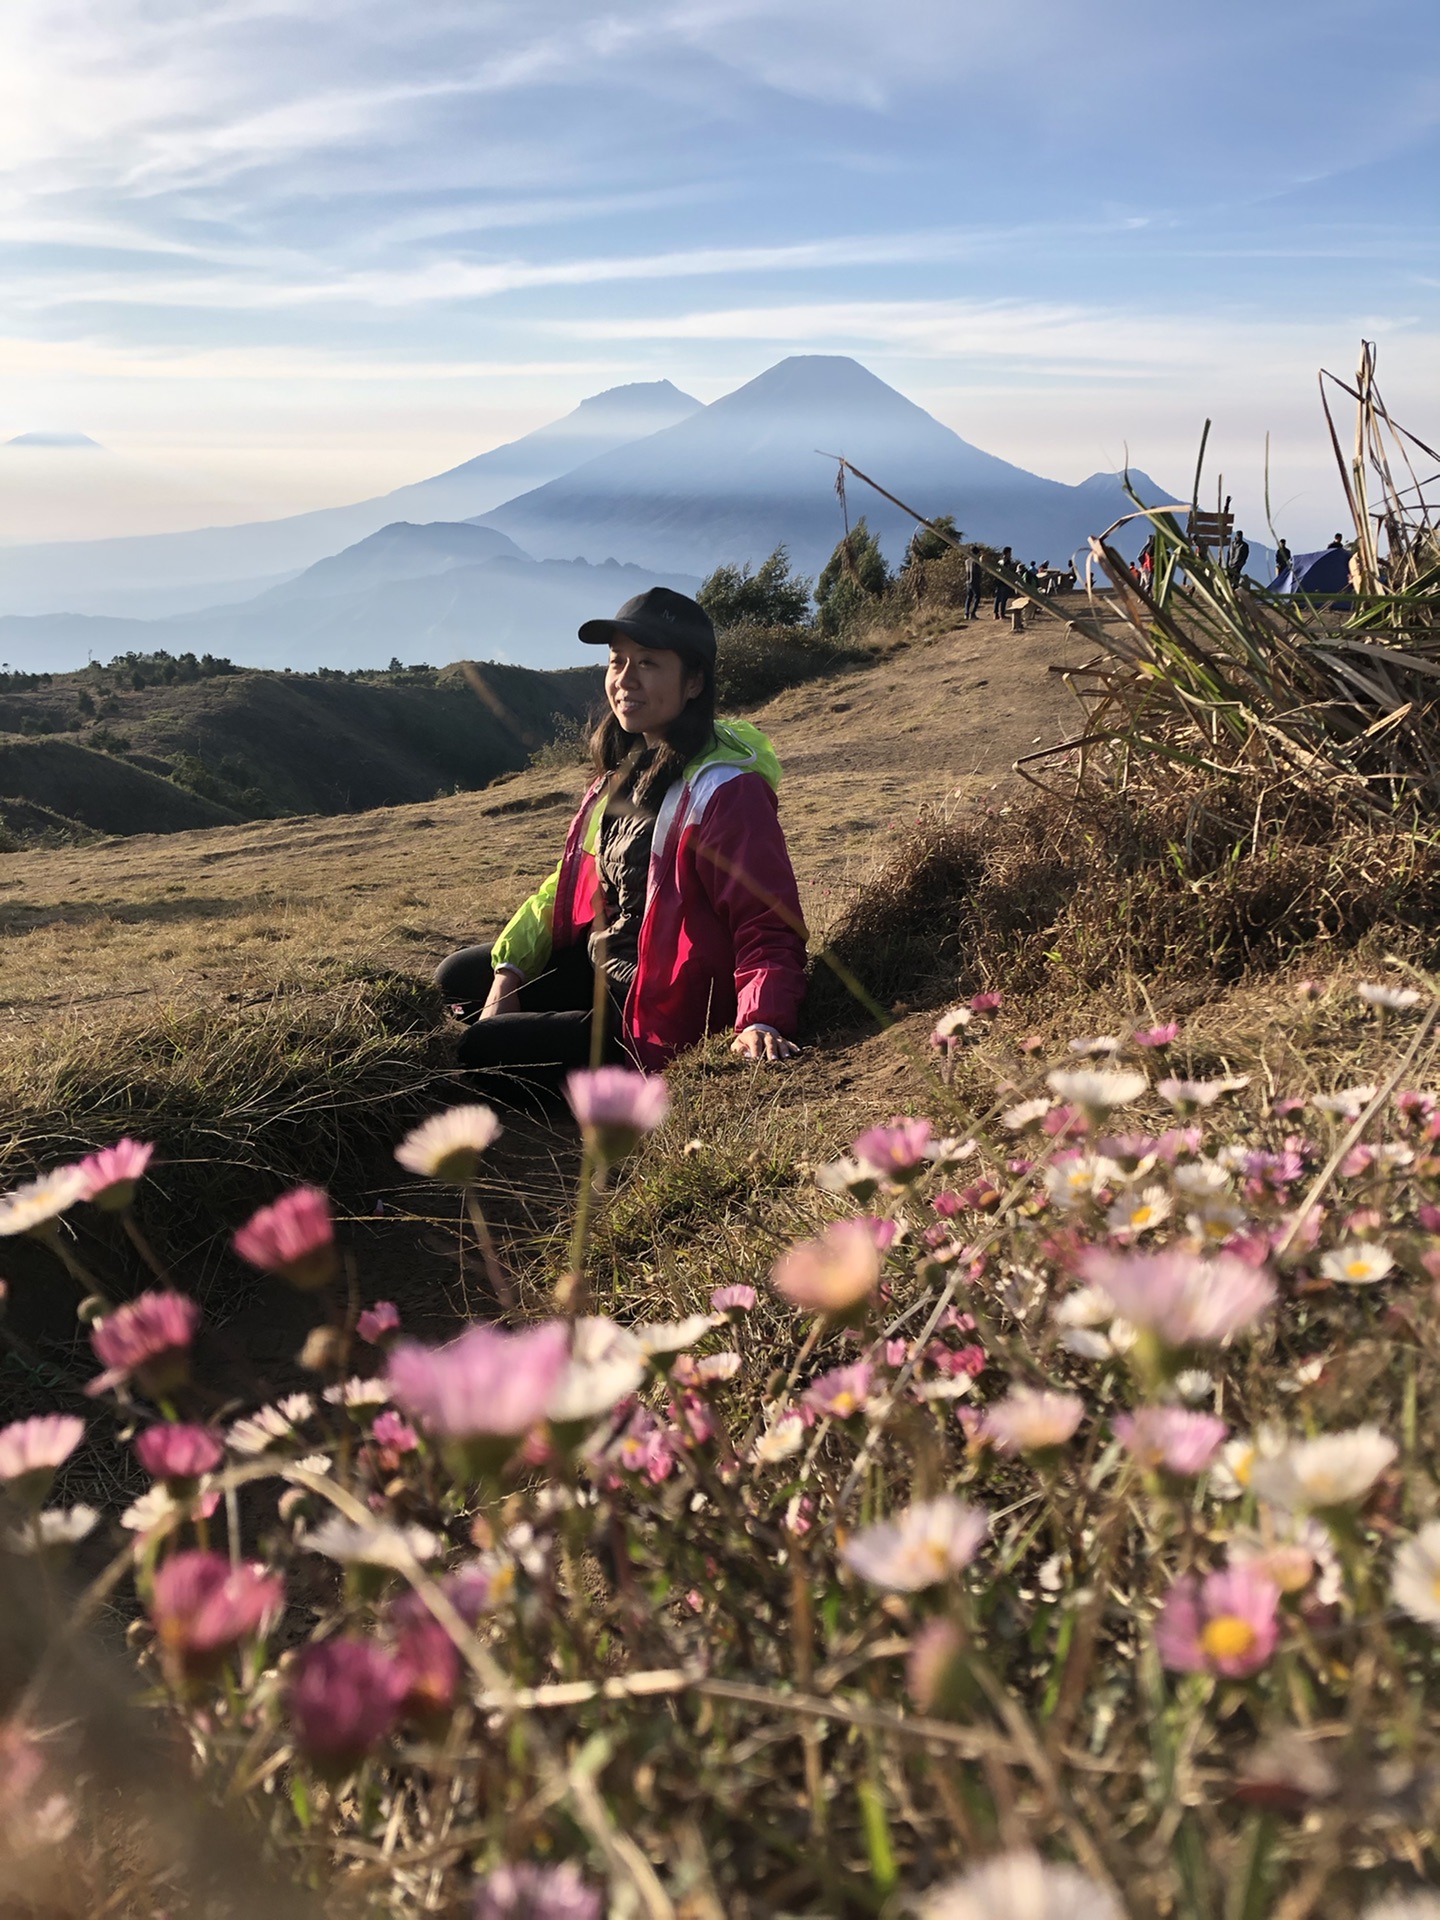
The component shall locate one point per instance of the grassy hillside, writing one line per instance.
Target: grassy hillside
(722, 1707)
(156, 746)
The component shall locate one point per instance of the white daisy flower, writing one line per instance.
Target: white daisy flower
(40, 1201)
(1078, 1178)
(1415, 1904)
(379, 1546)
(1415, 1583)
(448, 1145)
(919, 1547)
(1029, 1113)
(1090, 1327)
(1185, 1094)
(1194, 1385)
(1020, 1886)
(1139, 1212)
(1100, 1045)
(845, 1176)
(1232, 1473)
(1348, 1102)
(1215, 1221)
(58, 1527)
(782, 1435)
(1359, 1263)
(1093, 1087)
(952, 1023)
(715, 1367)
(1199, 1179)
(1335, 1470)
(1388, 999)
(586, 1389)
(267, 1425)
(674, 1336)
(358, 1392)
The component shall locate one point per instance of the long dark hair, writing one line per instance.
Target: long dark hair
(615, 752)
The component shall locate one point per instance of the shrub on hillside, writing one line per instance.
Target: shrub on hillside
(755, 663)
(772, 596)
(1206, 879)
(852, 581)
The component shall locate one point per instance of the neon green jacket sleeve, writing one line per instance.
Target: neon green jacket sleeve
(525, 939)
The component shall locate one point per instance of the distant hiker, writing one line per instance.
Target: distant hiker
(1283, 558)
(1147, 564)
(1004, 592)
(675, 882)
(1338, 541)
(1239, 554)
(974, 583)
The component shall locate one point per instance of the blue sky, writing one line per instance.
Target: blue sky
(279, 255)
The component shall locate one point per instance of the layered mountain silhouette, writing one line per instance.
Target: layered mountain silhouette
(734, 479)
(438, 593)
(502, 557)
(152, 575)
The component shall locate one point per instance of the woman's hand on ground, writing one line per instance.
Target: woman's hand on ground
(758, 1043)
(504, 994)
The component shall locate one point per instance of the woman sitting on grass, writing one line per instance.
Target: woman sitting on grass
(675, 884)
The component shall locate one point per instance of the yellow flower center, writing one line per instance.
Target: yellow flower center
(843, 1405)
(1435, 1585)
(1141, 1218)
(1227, 1637)
(1244, 1467)
(1357, 1270)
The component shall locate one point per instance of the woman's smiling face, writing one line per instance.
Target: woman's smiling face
(648, 687)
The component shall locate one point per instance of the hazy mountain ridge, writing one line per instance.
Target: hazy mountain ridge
(407, 592)
(151, 572)
(729, 483)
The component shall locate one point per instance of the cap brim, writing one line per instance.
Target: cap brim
(599, 633)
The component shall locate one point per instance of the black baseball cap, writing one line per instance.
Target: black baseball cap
(659, 617)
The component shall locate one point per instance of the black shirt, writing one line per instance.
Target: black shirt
(627, 829)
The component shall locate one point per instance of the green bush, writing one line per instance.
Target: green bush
(755, 663)
(773, 596)
(852, 580)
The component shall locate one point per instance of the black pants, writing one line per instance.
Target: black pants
(549, 1036)
(972, 602)
(1003, 597)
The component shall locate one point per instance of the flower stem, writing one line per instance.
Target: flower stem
(572, 1292)
(143, 1247)
(499, 1281)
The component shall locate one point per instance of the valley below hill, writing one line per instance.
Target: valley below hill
(204, 917)
(165, 747)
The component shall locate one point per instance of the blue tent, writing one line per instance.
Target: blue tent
(1325, 572)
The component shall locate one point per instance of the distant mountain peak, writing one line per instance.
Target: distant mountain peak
(663, 395)
(47, 437)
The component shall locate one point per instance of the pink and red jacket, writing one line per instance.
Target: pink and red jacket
(722, 942)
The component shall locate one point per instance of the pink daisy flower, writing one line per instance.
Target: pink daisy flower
(178, 1452)
(202, 1607)
(113, 1174)
(835, 1274)
(146, 1340)
(344, 1697)
(31, 1451)
(896, 1152)
(1172, 1438)
(616, 1107)
(295, 1237)
(1226, 1623)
